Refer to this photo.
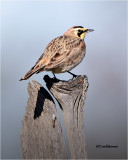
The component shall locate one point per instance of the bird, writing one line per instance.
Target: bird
(62, 54)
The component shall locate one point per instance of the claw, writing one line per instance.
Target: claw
(74, 76)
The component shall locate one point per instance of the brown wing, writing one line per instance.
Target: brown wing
(57, 51)
(53, 47)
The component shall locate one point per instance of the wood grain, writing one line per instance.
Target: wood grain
(71, 97)
(41, 134)
(40, 139)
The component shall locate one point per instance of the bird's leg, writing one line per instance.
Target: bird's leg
(54, 78)
(72, 74)
(54, 75)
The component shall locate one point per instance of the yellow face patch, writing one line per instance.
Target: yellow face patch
(80, 32)
(82, 35)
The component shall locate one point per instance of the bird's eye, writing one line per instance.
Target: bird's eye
(79, 30)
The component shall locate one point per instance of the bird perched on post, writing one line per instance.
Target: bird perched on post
(63, 53)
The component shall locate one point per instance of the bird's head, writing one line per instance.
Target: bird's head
(78, 32)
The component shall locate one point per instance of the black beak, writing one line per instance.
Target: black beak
(89, 30)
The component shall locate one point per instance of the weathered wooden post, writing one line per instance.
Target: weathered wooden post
(41, 135)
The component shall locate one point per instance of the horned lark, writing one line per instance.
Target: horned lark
(63, 53)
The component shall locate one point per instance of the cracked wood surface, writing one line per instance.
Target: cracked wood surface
(41, 134)
(71, 96)
(40, 138)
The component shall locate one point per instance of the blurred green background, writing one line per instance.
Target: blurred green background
(27, 28)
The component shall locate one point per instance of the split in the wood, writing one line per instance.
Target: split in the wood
(42, 136)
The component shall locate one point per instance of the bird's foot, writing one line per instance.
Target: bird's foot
(74, 75)
(55, 79)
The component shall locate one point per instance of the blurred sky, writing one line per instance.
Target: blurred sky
(27, 28)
